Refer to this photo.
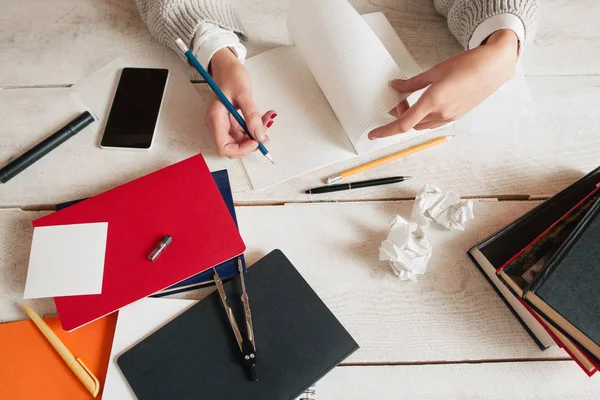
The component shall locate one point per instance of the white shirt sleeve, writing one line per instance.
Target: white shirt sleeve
(496, 23)
(210, 38)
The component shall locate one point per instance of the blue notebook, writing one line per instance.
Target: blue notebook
(226, 270)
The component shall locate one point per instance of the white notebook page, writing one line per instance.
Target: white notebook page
(349, 62)
(306, 134)
(409, 67)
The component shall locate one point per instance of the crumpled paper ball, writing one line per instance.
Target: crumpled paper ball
(407, 251)
(447, 209)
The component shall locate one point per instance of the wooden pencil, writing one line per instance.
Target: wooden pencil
(391, 157)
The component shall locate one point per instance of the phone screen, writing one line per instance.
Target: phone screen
(134, 112)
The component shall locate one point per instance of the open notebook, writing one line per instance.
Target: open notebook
(329, 89)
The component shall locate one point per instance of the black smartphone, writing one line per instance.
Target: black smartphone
(135, 109)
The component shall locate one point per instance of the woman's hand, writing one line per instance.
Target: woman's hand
(233, 79)
(456, 85)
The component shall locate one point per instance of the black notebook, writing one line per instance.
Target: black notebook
(195, 356)
(567, 291)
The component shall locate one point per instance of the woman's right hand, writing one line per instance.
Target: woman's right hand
(234, 80)
(456, 86)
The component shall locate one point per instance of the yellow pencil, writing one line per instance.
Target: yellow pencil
(77, 366)
(391, 157)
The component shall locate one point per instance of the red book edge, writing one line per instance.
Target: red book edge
(565, 348)
(547, 229)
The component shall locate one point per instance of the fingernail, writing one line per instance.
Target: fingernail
(259, 135)
(270, 123)
(273, 116)
(372, 136)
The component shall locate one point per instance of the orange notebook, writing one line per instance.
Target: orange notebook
(30, 368)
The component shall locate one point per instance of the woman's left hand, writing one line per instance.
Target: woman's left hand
(456, 85)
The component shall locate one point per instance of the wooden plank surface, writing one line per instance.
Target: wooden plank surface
(59, 45)
(557, 380)
(73, 38)
(450, 314)
(558, 142)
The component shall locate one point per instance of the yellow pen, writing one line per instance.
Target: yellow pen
(75, 364)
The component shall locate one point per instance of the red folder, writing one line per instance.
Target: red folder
(182, 201)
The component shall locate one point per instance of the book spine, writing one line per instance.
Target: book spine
(523, 324)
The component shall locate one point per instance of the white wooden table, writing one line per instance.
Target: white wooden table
(447, 336)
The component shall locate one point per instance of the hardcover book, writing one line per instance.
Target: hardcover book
(521, 271)
(567, 291)
(506, 245)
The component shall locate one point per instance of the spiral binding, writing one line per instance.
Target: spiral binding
(309, 394)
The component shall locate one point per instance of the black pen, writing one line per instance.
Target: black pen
(356, 185)
(45, 146)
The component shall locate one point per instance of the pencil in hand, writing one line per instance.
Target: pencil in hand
(221, 96)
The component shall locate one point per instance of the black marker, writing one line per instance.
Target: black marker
(356, 185)
(45, 147)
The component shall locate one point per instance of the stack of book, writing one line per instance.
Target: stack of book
(546, 267)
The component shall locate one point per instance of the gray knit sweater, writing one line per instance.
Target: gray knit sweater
(170, 19)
